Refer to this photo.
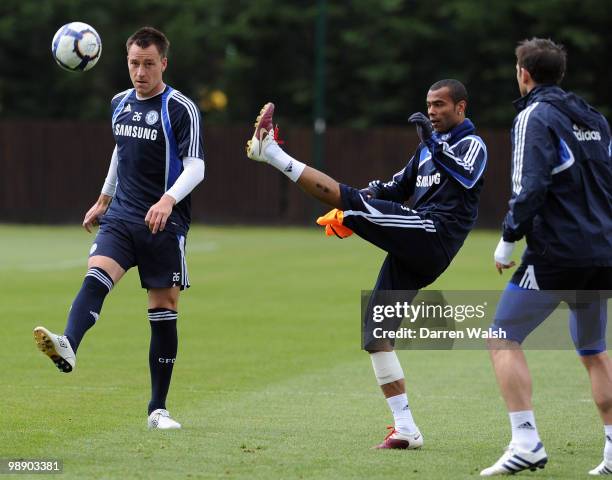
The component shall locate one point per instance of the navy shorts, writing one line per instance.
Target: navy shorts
(538, 287)
(404, 233)
(415, 254)
(160, 258)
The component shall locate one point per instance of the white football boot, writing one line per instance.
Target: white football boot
(604, 468)
(402, 441)
(56, 347)
(161, 420)
(514, 460)
(263, 135)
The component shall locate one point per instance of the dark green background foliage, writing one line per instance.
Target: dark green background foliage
(380, 55)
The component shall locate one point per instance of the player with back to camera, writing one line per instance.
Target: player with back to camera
(562, 203)
(157, 162)
(443, 179)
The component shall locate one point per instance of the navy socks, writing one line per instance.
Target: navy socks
(87, 305)
(85, 311)
(162, 354)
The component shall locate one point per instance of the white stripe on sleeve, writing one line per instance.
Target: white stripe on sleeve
(194, 119)
(519, 147)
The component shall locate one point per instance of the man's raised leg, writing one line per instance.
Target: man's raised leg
(102, 274)
(263, 148)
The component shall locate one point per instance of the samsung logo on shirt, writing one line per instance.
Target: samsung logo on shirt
(135, 131)
(428, 180)
(586, 135)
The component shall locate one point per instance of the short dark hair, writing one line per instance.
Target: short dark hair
(146, 36)
(457, 89)
(544, 59)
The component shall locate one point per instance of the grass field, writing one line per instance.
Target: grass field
(270, 381)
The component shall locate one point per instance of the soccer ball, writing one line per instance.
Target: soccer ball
(76, 47)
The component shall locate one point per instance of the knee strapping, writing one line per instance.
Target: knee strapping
(386, 367)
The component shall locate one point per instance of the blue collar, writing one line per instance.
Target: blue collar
(535, 94)
(456, 133)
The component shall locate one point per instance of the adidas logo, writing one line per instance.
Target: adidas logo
(526, 425)
(289, 168)
(127, 108)
(583, 135)
(529, 280)
(95, 316)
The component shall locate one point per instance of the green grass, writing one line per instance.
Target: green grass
(270, 381)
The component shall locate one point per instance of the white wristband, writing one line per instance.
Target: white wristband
(283, 162)
(503, 252)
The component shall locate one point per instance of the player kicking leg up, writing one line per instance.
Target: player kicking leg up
(147, 222)
(417, 253)
(114, 253)
(388, 371)
(102, 274)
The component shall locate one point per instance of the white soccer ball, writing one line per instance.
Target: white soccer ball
(76, 47)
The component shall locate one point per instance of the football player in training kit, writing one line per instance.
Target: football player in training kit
(443, 179)
(562, 203)
(157, 161)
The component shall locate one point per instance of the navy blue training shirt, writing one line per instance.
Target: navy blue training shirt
(153, 136)
(561, 179)
(443, 181)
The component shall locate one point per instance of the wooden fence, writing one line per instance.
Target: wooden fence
(53, 171)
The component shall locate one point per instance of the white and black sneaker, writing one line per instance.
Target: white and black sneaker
(515, 460)
(56, 347)
(604, 468)
(160, 419)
